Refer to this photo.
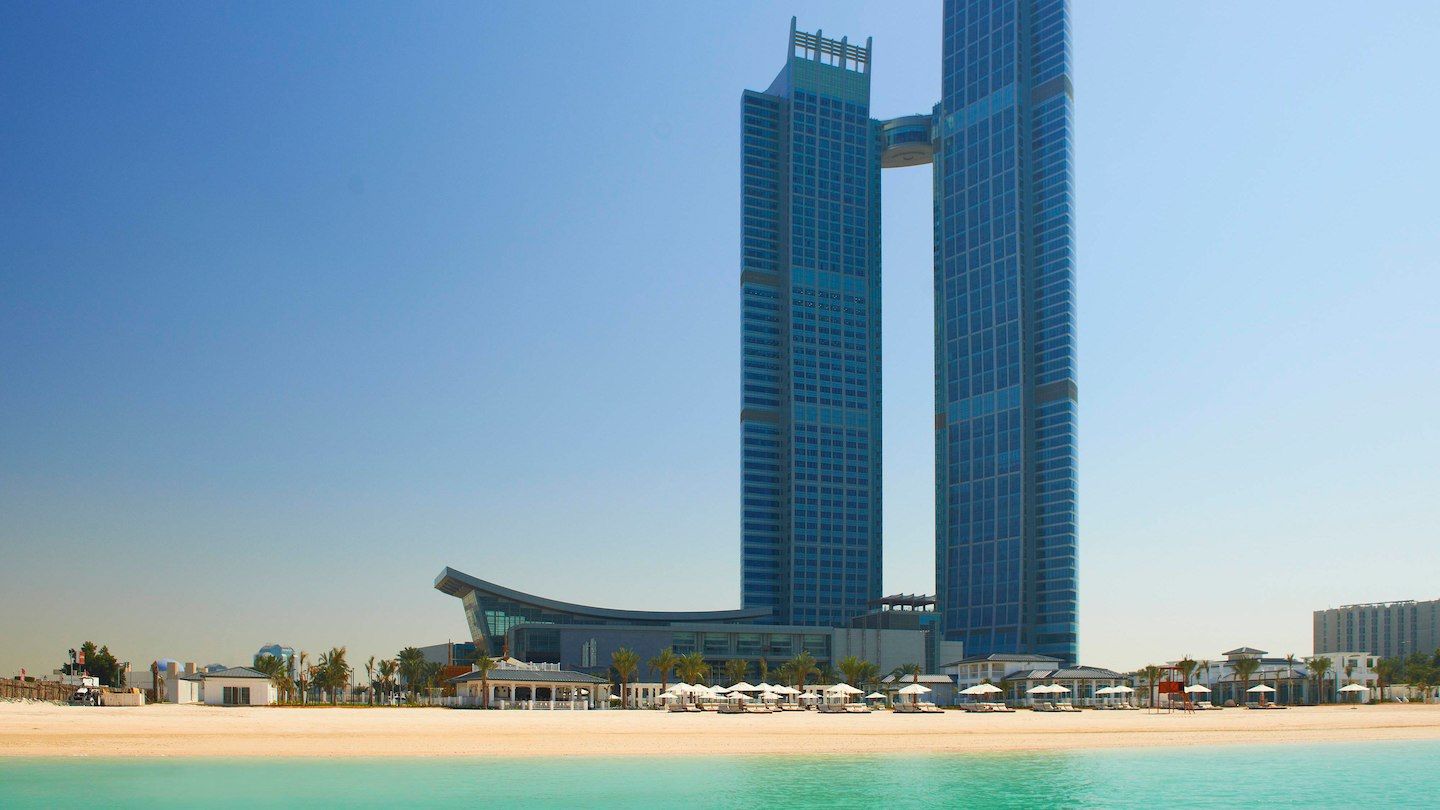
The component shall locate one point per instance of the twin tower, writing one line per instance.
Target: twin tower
(1000, 142)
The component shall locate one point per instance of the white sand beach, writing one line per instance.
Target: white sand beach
(195, 731)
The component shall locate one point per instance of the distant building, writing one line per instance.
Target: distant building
(1387, 629)
(450, 653)
(280, 651)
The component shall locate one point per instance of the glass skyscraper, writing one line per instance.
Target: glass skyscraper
(1005, 381)
(810, 337)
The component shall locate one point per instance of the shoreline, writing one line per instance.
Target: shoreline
(181, 732)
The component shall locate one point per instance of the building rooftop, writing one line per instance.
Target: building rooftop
(530, 676)
(909, 600)
(1245, 651)
(457, 583)
(1013, 657)
(1070, 673)
(238, 672)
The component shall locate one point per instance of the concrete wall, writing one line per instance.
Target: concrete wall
(122, 698)
(886, 648)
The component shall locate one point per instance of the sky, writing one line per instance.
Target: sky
(301, 303)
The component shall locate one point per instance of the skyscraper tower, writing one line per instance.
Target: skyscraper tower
(1005, 379)
(810, 336)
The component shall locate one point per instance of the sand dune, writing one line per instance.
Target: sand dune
(190, 731)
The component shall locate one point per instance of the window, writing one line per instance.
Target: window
(236, 696)
(587, 653)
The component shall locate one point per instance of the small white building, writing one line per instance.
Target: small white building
(187, 688)
(237, 686)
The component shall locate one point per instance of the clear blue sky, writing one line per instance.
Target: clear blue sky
(299, 304)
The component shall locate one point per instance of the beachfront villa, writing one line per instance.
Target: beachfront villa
(1292, 680)
(520, 684)
(942, 687)
(1017, 674)
(238, 686)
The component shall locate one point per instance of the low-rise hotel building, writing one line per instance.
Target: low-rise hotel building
(508, 623)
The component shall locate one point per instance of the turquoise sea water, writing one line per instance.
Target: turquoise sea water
(1315, 776)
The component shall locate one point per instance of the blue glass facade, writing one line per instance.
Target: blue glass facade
(810, 337)
(1005, 377)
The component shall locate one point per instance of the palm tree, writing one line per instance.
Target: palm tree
(275, 669)
(625, 661)
(763, 669)
(303, 676)
(1151, 673)
(1319, 665)
(802, 666)
(387, 671)
(1386, 671)
(850, 669)
(913, 670)
(1244, 668)
(411, 667)
(484, 664)
(334, 672)
(691, 667)
(370, 678)
(1289, 678)
(736, 669)
(1186, 665)
(664, 663)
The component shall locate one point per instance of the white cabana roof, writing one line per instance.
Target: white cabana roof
(785, 690)
(1122, 690)
(1195, 687)
(1260, 688)
(874, 696)
(914, 689)
(762, 686)
(1354, 687)
(744, 687)
(843, 689)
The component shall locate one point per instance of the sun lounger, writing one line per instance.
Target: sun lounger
(907, 708)
(930, 708)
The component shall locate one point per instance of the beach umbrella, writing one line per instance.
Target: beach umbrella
(1260, 688)
(762, 686)
(916, 690)
(1355, 687)
(1195, 687)
(874, 696)
(1106, 690)
(744, 687)
(718, 689)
